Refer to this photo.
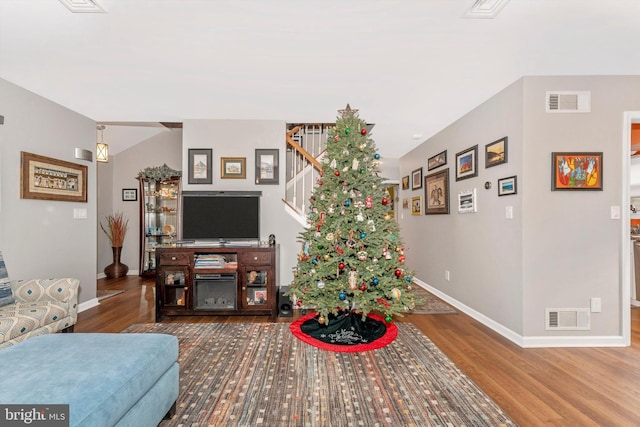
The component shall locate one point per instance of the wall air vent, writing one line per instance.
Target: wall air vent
(567, 319)
(83, 6)
(568, 102)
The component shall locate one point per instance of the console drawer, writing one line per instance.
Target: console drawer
(256, 258)
(174, 258)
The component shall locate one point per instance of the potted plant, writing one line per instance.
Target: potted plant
(116, 230)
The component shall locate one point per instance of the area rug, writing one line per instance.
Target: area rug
(431, 304)
(105, 293)
(258, 374)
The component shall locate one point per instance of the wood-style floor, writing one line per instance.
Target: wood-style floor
(536, 387)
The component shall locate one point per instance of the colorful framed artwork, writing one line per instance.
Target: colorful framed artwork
(405, 182)
(200, 166)
(267, 171)
(416, 179)
(507, 186)
(436, 193)
(467, 163)
(576, 171)
(45, 178)
(233, 167)
(129, 194)
(467, 202)
(496, 153)
(416, 205)
(436, 161)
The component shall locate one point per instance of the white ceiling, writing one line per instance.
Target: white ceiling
(410, 67)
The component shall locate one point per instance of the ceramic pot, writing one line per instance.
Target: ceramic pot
(116, 269)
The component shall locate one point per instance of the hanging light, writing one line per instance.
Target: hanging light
(102, 149)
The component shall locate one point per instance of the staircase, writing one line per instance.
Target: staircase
(306, 146)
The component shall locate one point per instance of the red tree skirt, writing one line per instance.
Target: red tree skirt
(387, 338)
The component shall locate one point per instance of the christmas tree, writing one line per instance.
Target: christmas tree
(352, 258)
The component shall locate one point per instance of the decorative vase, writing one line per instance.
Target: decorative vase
(117, 269)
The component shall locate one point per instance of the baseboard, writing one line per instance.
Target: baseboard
(129, 273)
(521, 341)
(87, 305)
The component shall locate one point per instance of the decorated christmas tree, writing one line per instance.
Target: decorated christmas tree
(352, 260)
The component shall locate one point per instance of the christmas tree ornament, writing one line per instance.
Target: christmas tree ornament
(355, 164)
(336, 172)
(320, 284)
(363, 287)
(398, 272)
(334, 164)
(322, 320)
(320, 246)
(346, 168)
(341, 266)
(388, 319)
(362, 255)
(385, 201)
(314, 261)
(353, 279)
(363, 235)
(374, 260)
(330, 237)
(369, 202)
(363, 171)
(375, 281)
(336, 138)
(401, 258)
(372, 225)
(363, 131)
(409, 279)
(327, 257)
(360, 217)
(347, 203)
(376, 156)
(395, 293)
(362, 147)
(347, 131)
(342, 296)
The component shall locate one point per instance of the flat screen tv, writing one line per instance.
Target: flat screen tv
(221, 216)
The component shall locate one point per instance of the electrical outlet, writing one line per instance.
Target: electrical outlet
(447, 275)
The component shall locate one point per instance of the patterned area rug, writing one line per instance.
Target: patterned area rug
(258, 374)
(432, 304)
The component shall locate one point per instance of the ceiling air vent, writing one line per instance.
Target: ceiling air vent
(83, 6)
(567, 319)
(568, 102)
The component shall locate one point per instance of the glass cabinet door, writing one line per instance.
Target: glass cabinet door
(174, 286)
(255, 293)
(159, 219)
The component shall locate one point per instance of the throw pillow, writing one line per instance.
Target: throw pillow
(6, 296)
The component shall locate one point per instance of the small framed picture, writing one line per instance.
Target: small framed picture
(416, 179)
(467, 201)
(507, 186)
(405, 203)
(267, 171)
(576, 171)
(416, 205)
(405, 182)
(436, 161)
(495, 153)
(436, 193)
(233, 167)
(467, 163)
(129, 194)
(200, 166)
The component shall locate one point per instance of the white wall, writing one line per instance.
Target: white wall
(121, 172)
(562, 247)
(40, 238)
(240, 138)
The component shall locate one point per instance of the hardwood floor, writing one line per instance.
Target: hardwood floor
(536, 387)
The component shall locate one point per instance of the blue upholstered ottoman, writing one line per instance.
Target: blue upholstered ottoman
(107, 379)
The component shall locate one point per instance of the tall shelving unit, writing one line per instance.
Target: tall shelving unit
(159, 219)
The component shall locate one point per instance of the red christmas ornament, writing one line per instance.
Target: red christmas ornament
(401, 258)
(363, 287)
(385, 200)
(369, 202)
(383, 302)
(341, 266)
(398, 272)
(363, 131)
(299, 303)
(336, 173)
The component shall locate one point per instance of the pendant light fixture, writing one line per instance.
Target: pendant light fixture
(102, 149)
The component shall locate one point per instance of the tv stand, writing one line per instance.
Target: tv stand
(224, 280)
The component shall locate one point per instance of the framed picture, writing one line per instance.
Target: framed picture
(233, 167)
(405, 203)
(129, 194)
(467, 163)
(496, 153)
(436, 193)
(46, 178)
(507, 186)
(467, 201)
(405, 182)
(576, 171)
(436, 161)
(416, 205)
(200, 166)
(416, 179)
(267, 171)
